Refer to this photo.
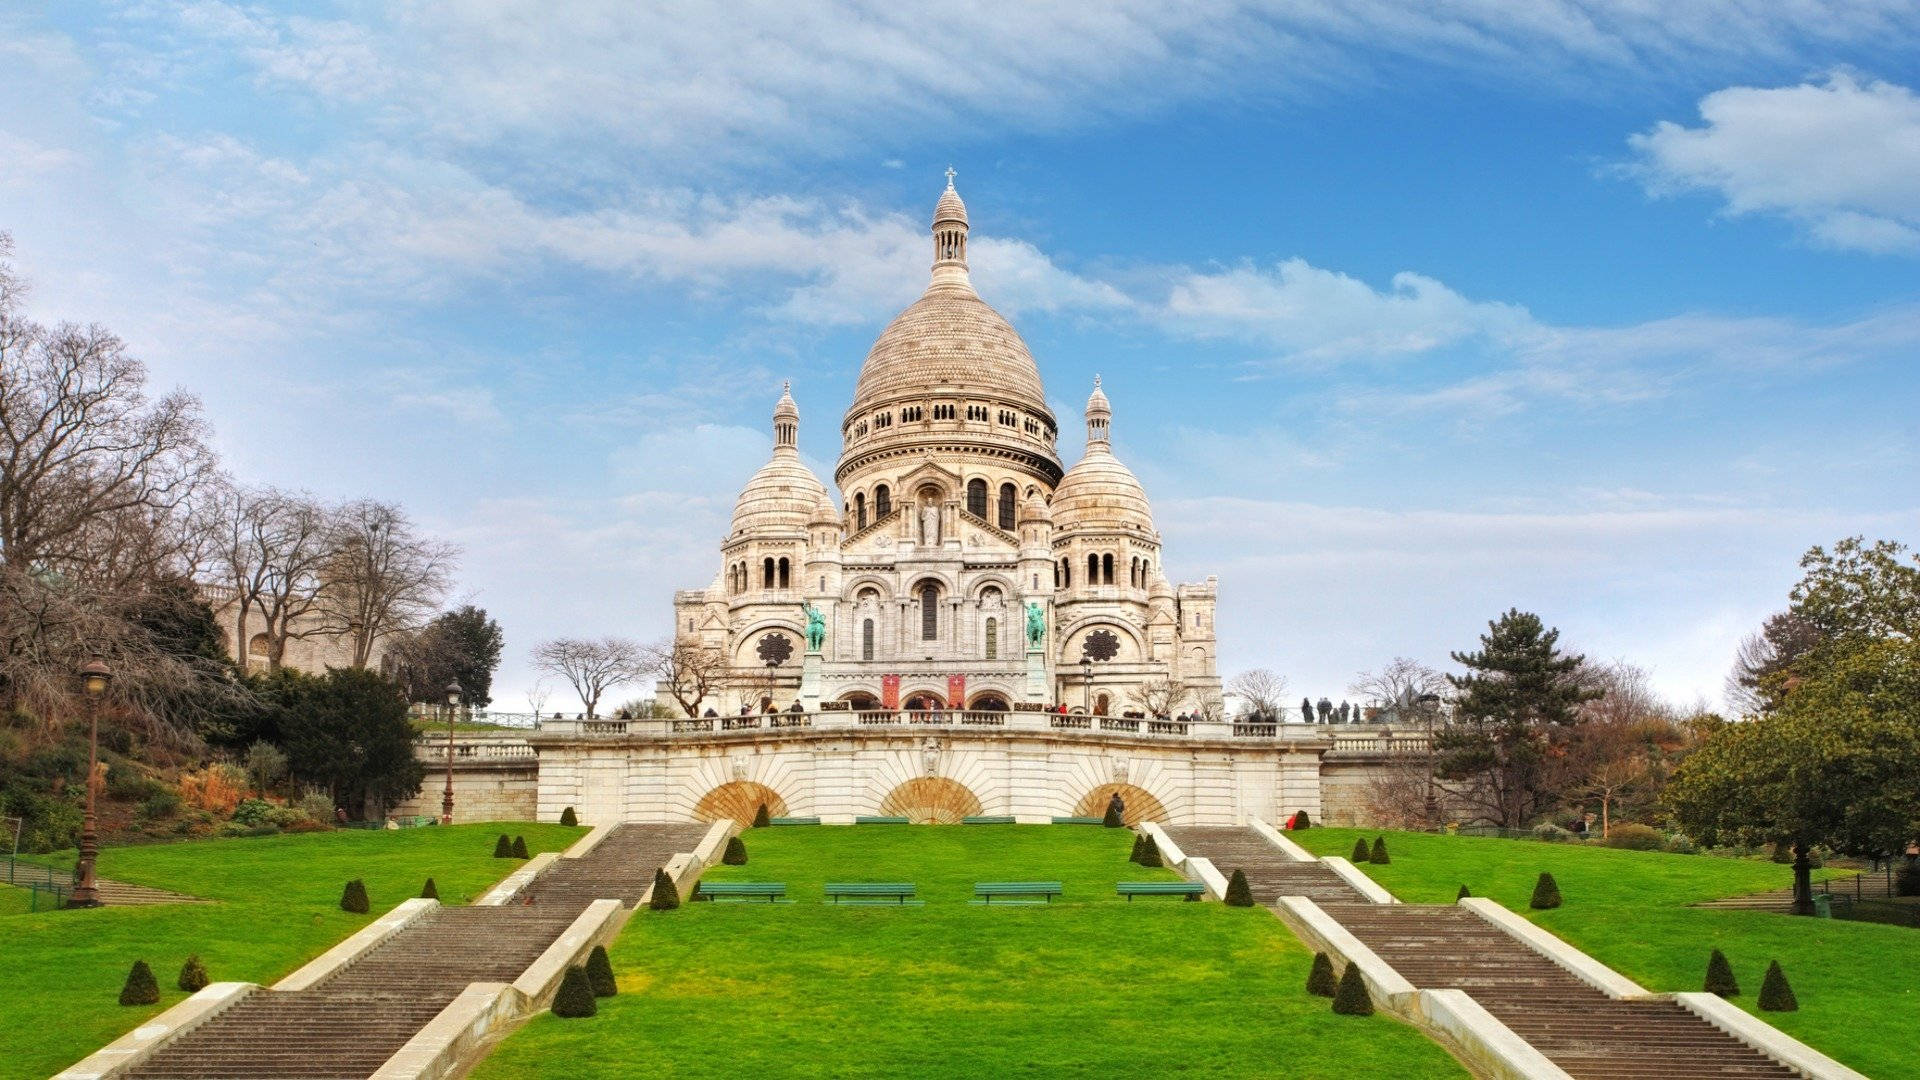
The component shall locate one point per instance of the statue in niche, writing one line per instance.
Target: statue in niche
(816, 626)
(929, 522)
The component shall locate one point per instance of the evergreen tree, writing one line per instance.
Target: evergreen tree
(348, 733)
(1378, 856)
(1546, 893)
(1116, 816)
(1351, 997)
(568, 817)
(520, 848)
(1360, 853)
(193, 975)
(736, 854)
(140, 989)
(1775, 994)
(503, 847)
(600, 973)
(354, 897)
(760, 817)
(1150, 852)
(1301, 821)
(576, 995)
(1320, 981)
(1239, 893)
(1463, 894)
(1720, 978)
(666, 895)
(1138, 839)
(429, 891)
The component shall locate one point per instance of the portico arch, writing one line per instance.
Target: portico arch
(1139, 803)
(931, 800)
(738, 801)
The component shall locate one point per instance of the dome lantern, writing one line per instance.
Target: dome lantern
(786, 421)
(950, 232)
(1099, 415)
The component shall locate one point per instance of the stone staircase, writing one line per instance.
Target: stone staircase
(348, 1026)
(1437, 947)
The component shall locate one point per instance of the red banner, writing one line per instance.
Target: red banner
(956, 691)
(889, 691)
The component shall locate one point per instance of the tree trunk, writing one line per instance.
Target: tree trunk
(1802, 879)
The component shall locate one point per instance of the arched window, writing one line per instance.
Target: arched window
(766, 573)
(882, 502)
(1066, 573)
(929, 612)
(860, 510)
(866, 639)
(977, 498)
(993, 639)
(1106, 575)
(1093, 569)
(784, 579)
(257, 646)
(1007, 496)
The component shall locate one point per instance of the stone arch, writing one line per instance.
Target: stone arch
(861, 699)
(928, 693)
(1139, 802)
(931, 800)
(748, 642)
(976, 588)
(738, 801)
(257, 646)
(1133, 648)
(994, 700)
(854, 585)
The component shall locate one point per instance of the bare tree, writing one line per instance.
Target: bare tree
(537, 696)
(1404, 690)
(290, 539)
(591, 666)
(381, 577)
(688, 672)
(1262, 690)
(1159, 697)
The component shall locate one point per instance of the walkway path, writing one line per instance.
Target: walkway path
(349, 1025)
(1436, 947)
(126, 894)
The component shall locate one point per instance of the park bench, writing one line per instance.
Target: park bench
(773, 892)
(1024, 891)
(1192, 890)
(793, 821)
(1078, 820)
(881, 821)
(988, 820)
(890, 893)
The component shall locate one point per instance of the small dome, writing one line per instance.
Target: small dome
(784, 494)
(1036, 509)
(824, 512)
(1159, 589)
(949, 208)
(1101, 493)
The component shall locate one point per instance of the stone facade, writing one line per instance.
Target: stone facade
(311, 647)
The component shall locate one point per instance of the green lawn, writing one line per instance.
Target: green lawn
(279, 906)
(1858, 983)
(1088, 986)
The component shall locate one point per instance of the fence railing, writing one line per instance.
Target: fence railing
(1364, 740)
(48, 896)
(30, 874)
(1889, 912)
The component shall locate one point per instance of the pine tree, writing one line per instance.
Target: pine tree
(1320, 980)
(1351, 998)
(1138, 839)
(1150, 852)
(1464, 893)
(354, 897)
(1301, 821)
(600, 973)
(193, 975)
(576, 995)
(736, 853)
(1775, 994)
(568, 817)
(760, 818)
(666, 895)
(1378, 856)
(1546, 893)
(503, 847)
(1360, 854)
(1720, 978)
(429, 891)
(141, 989)
(1239, 894)
(520, 848)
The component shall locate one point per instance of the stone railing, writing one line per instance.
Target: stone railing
(469, 747)
(1377, 742)
(970, 719)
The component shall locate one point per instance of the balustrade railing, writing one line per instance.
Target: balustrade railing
(1369, 741)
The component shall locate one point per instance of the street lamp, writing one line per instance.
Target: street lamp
(1086, 684)
(94, 677)
(453, 709)
(1429, 703)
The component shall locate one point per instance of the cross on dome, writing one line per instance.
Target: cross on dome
(949, 178)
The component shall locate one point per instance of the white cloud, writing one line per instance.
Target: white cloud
(1840, 158)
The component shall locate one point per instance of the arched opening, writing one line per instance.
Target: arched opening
(929, 612)
(1102, 705)
(1138, 804)
(766, 573)
(1106, 573)
(739, 801)
(860, 510)
(860, 700)
(977, 498)
(993, 639)
(866, 639)
(990, 701)
(784, 579)
(257, 646)
(882, 502)
(923, 701)
(1008, 493)
(1093, 569)
(931, 800)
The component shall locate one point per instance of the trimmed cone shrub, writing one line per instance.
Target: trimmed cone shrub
(141, 989)
(1351, 998)
(1775, 994)
(666, 895)
(1134, 855)
(1720, 978)
(736, 854)
(1300, 821)
(193, 975)
(760, 818)
(1320, 981)
(503, 847)
(576, 995)
(429, 891)
(1238, 893)
(1360, 853)
(354, 897)
(1116, 816)
(600, 973)
(520, 848)
(568, 817)
(1378, 856)
(1546, 893)
(1150, 853)
(1463, 894)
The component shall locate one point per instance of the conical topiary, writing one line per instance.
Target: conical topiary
(1546, 893)
(1116, 815)
(1775, 994)
(760, 818)
(1378, 856)
(193, 975)
(1360, 853)
(354, 897)
(1720, 978)
(429, 891)
(1300, 821)
(600, 973)
(576, 995)
(666, 895)
(520, 848)
(1463, 894)
(1150, 852)
(141, 989)
(736, 853)
(568, 817)
(1238, 893)
(1320, 980)
(1134, 856)
(1351, 998)
(503, 847)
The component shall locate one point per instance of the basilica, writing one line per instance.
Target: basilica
(961, 567)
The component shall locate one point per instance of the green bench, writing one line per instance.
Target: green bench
(793, 821)
(773, 892)
(881, 821)
(1192, 890)
(871, 892)
(1078, 820)
(1024, 892)
(990, 820)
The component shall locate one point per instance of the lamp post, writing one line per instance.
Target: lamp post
(1428, 703)
(94, 677)
(1086, 684)
(453, 709)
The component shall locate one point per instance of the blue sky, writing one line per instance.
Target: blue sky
(1409, 312)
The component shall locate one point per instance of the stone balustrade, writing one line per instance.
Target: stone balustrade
(749, 725)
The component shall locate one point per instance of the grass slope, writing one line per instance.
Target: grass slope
(61, 971)
(1088, 986)
(1858, 983)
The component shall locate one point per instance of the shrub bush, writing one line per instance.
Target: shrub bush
(760, 817)
(1360, 853)
(317, 805)
(162, 805)
(429, 891)
(576, 995)
(503, 847)
(1551, 833)
(354, 897)
(1320, 980)
(1720, 978)
(666, 895)
(600, 973)
(252, 812)
(1462, 894)
(568, 817)
(1782, 853)
(235, 828)
(1134, 855)
(1378, 857)
(1351, 998)
(193, 975)
(1150, 852)
(1680, 844)
(1116, 816)
(1546, 893)
(1907, 881)
(1775, 994)
(736, 854)
(1634, 837)
(141, 989)
(520, 848)
(1301, 821)
(1239, 894)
